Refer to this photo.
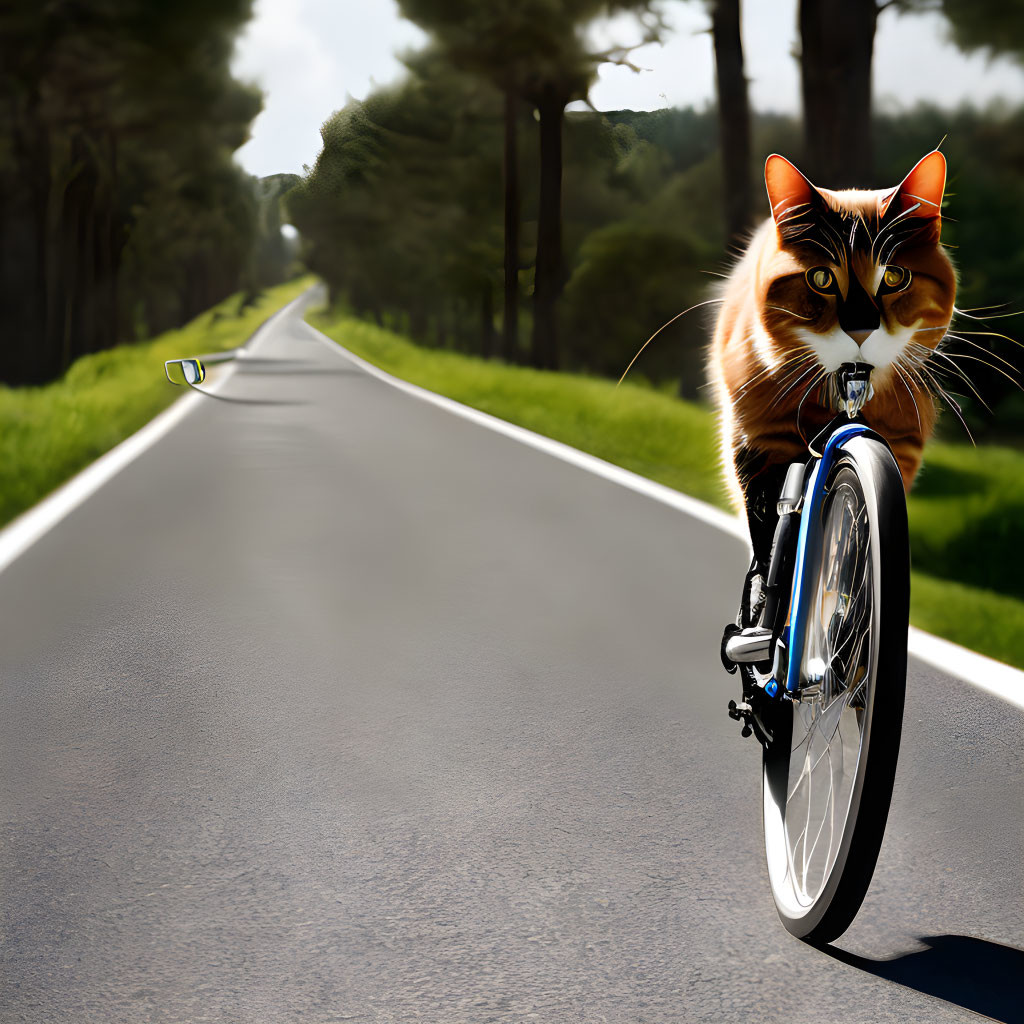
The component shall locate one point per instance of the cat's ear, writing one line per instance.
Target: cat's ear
(787, 187)
(920, 192)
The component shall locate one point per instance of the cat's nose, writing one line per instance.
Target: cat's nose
(860, 336)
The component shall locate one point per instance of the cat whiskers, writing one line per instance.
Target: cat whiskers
(781, 309)
(984, 362)
(800, 377)
(948, 357)
(800, 356)
(959, 336)
(925, 375)
(707, 302)
(980, 348)
(992, 334)
(914, 383)
(910, 391)
(977, 309)
(767, 371)
(815, 381)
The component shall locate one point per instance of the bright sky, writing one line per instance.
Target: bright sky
(309, 56)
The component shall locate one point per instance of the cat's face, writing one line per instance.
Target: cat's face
(857, 275)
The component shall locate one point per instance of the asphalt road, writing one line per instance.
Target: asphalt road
(334, 706)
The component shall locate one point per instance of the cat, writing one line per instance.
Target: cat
(830, 277)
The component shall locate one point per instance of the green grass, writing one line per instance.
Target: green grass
(49, 433)
(980, 619)
(966, 511)
(967, 516)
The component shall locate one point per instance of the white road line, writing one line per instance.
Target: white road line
(21, 533)
(987, 674)
(691, 506)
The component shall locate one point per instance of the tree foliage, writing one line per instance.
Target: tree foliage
(401, 212)
(120, 209)
(534, 50)
(994, 26)
(402, 215)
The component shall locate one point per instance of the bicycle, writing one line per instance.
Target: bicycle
(821, 646)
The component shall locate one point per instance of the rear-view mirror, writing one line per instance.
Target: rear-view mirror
(185, 371)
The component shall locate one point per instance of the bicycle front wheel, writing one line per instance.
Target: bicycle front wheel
(828, 773)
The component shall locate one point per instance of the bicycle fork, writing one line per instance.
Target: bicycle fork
(758, 643)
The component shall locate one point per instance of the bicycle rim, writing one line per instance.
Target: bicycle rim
(828, 774)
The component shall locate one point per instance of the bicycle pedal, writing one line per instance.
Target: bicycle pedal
(748, 646)
(730, 631)
(738, 711)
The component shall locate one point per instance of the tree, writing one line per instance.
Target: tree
(991, 25)
(91, 141)
(551, 90)
(271, 254)
(563, 71)
(837, 39)
(631, 278)
(533, 49)
(733, 117)
(400, 212)
(494, 41)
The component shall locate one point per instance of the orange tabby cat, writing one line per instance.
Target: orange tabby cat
(831, 277)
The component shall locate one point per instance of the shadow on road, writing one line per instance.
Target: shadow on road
(258, 366)
(315, 371)
(982, 976)
(247, 401)
(265, 361)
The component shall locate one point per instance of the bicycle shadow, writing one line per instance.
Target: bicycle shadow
(979, 975)
(248, 401)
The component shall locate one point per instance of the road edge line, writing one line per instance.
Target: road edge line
(35, 522)
(624, 477)
(994, 677)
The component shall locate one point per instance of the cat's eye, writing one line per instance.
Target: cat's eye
(821, 279)
(895, 278)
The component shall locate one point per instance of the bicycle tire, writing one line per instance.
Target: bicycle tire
(818, 894)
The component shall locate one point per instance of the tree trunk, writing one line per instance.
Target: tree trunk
(109, 248)
(71, 226)
(85, 304)
(22, 284)
(733, 118)
(837, 44)
(418, 322)
(486, 320)
(548, 272)
(38, 362)
(61, 180)
(510, 318)
(45, 353)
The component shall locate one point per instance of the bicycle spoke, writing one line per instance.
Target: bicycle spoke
(826, 729)
(823, 803)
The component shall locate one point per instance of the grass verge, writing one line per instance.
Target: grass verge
(49, 433)
(966, 512)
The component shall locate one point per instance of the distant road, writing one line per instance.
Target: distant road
(333, 706)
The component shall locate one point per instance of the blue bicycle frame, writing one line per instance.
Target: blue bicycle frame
(810, 532)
